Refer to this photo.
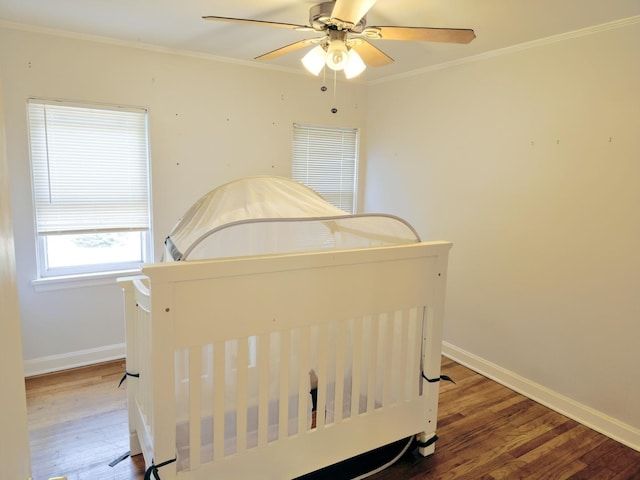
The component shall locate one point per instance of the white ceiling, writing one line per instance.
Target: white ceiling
(177, 25)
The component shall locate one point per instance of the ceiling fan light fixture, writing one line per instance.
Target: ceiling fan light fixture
(314, 60)
(355, 66)
(337, 55)
(343, 26)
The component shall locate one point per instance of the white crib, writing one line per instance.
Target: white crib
(219, 354)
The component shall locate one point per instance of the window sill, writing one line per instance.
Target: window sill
(47, 284)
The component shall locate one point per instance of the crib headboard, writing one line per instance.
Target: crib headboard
(198, 303)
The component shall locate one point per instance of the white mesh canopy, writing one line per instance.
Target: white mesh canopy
(266, 214)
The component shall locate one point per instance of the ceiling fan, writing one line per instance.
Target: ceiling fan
(344, 44)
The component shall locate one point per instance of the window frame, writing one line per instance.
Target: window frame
(96, 271)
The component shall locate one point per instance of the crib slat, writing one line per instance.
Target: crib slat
(414, 366)
(303, 383)
(356, 368)
(148, 371)
(410, 378)
(407, 378)
(387, 348)
(241, 401)
(207, 403)
(195, 372)
(322, 375)
(403, 377)
(338, 402)
(283, 415)
(263, 392)
(373, 363)
(218, 399)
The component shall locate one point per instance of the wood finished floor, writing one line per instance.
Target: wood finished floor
(78, 425)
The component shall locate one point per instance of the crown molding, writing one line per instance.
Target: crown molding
(245, 63)
(583, 32)
(137, 45)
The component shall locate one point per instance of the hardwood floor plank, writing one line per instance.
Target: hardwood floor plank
(609, 460)
(630, 472)
(78, 425)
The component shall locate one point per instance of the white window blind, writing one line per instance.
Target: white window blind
(325, 159)
(89, 168)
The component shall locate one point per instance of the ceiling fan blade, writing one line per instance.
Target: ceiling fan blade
(371, 55)
(351, 11)
(423, 34)
(292, 47)
(258, 22)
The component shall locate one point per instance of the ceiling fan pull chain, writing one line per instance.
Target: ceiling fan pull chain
(335, 85)
(335, 89)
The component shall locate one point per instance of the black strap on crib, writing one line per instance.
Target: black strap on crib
(431, 441)
(121, 458)
(446, 378)
(127, 374)
(153, 469)
(314, 399)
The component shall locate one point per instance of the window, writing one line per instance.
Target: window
(325, 159)
(90, 172)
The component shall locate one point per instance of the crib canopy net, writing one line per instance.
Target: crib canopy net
(268, 214)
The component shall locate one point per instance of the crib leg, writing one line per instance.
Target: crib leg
(134, 444)
(426, 443)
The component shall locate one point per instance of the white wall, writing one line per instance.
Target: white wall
(529, 162)
(210, 122)
(14, 440)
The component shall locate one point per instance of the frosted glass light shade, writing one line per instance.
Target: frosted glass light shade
(314, 60)
(355, 66)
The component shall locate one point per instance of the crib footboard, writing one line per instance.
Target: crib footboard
(276, 366)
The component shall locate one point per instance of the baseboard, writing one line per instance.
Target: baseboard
(65, 361)
(587, 416)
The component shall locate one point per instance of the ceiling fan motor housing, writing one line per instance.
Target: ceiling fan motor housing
(320, 19)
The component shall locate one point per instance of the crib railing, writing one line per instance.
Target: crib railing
(245, 393)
